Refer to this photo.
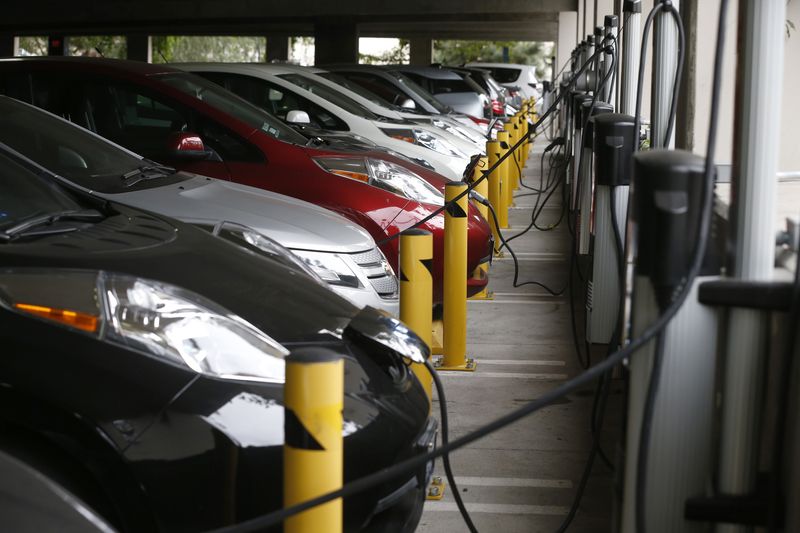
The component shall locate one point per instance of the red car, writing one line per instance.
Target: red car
(194, 125)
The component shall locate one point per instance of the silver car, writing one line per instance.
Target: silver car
(323, 243)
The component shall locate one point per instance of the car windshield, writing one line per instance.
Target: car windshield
(64, 148)
(425, 95)
(504, 74)
(25, 195)
(356, 88)
(217, 97)
(331, 95)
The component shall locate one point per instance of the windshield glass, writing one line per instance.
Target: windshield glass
(425, 95)
(24, 194)
(356, 88)
(331, 95)
(227, 102)
(64, 148)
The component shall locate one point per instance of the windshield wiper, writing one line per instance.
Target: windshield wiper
(146, 172)
(20, 229)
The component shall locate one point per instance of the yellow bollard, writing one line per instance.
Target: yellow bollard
(507, 169)
(482, 188)
(455, 286)
(493, 151)
(416, 291)
(313, 458)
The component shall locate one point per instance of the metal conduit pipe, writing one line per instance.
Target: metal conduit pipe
(665, 61)
(632, 32)
(760, 76)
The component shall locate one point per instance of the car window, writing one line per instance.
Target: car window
(331, 95)
(338, 79)
(143, 121)
(383, 88)
(421, 92)
(275, 99)
(505, 74)
(440, 86)
(229, 103)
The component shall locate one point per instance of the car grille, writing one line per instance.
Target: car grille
(378, 271)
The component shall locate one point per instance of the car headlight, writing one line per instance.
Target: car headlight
(463, 133)
(385, 175)
(330, 268)
(425, 138)
(260, 244)
(160, 319)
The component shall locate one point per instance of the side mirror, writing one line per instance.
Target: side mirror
(533, 85)
(297, 117)
(408, 103)
(186, 145)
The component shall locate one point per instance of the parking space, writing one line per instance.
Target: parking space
(523, 479)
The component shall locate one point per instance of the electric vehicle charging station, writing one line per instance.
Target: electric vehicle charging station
(614, 141)
(589, 109)
(681, 364)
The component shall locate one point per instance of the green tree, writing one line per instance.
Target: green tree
(115, 46)
(177, 48)
(400, 54)
(455, 52)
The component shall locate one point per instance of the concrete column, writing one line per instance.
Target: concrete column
(57, 45)
(567, 28)
(8, 46)
(684, 121)
(421, 51)
(139, 47)
(335, 42)
(277, 47)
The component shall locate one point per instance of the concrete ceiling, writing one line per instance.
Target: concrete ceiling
(456, 19)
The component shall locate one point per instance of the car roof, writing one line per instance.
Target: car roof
(499, 65)
(435, 73)
(134, 67)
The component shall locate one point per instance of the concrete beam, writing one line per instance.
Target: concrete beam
(421, 51)
(139, 47)
(335, 42)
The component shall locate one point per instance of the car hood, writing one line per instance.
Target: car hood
(293, 223)
(284, 303)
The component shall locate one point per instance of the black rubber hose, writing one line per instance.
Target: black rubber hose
(446, 457)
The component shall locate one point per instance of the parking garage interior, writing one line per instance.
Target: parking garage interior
(627, 222)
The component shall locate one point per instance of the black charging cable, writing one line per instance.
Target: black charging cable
(445, 440)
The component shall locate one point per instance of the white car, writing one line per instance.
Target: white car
(326, 245)
(281, 91)
(513, 75)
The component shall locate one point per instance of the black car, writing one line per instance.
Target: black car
(142, 365)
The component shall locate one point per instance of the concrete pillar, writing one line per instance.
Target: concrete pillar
(567, 27)
(277, 47)
(421, 51)
(684, 121)
(335, 42)
(139, 47)
(57, 45)
(8, 46)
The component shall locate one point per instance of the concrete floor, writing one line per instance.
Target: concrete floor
(523, 478)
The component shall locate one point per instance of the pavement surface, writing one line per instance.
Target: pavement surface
(523, 479)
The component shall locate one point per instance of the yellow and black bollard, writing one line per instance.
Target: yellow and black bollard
(506, 170)
(494, 151)
(313, 458)
(455, 286)
(482, 188)
(416, 291)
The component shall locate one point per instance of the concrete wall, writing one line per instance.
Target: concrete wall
(567, 26)
(707, 15)
(790, 151)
